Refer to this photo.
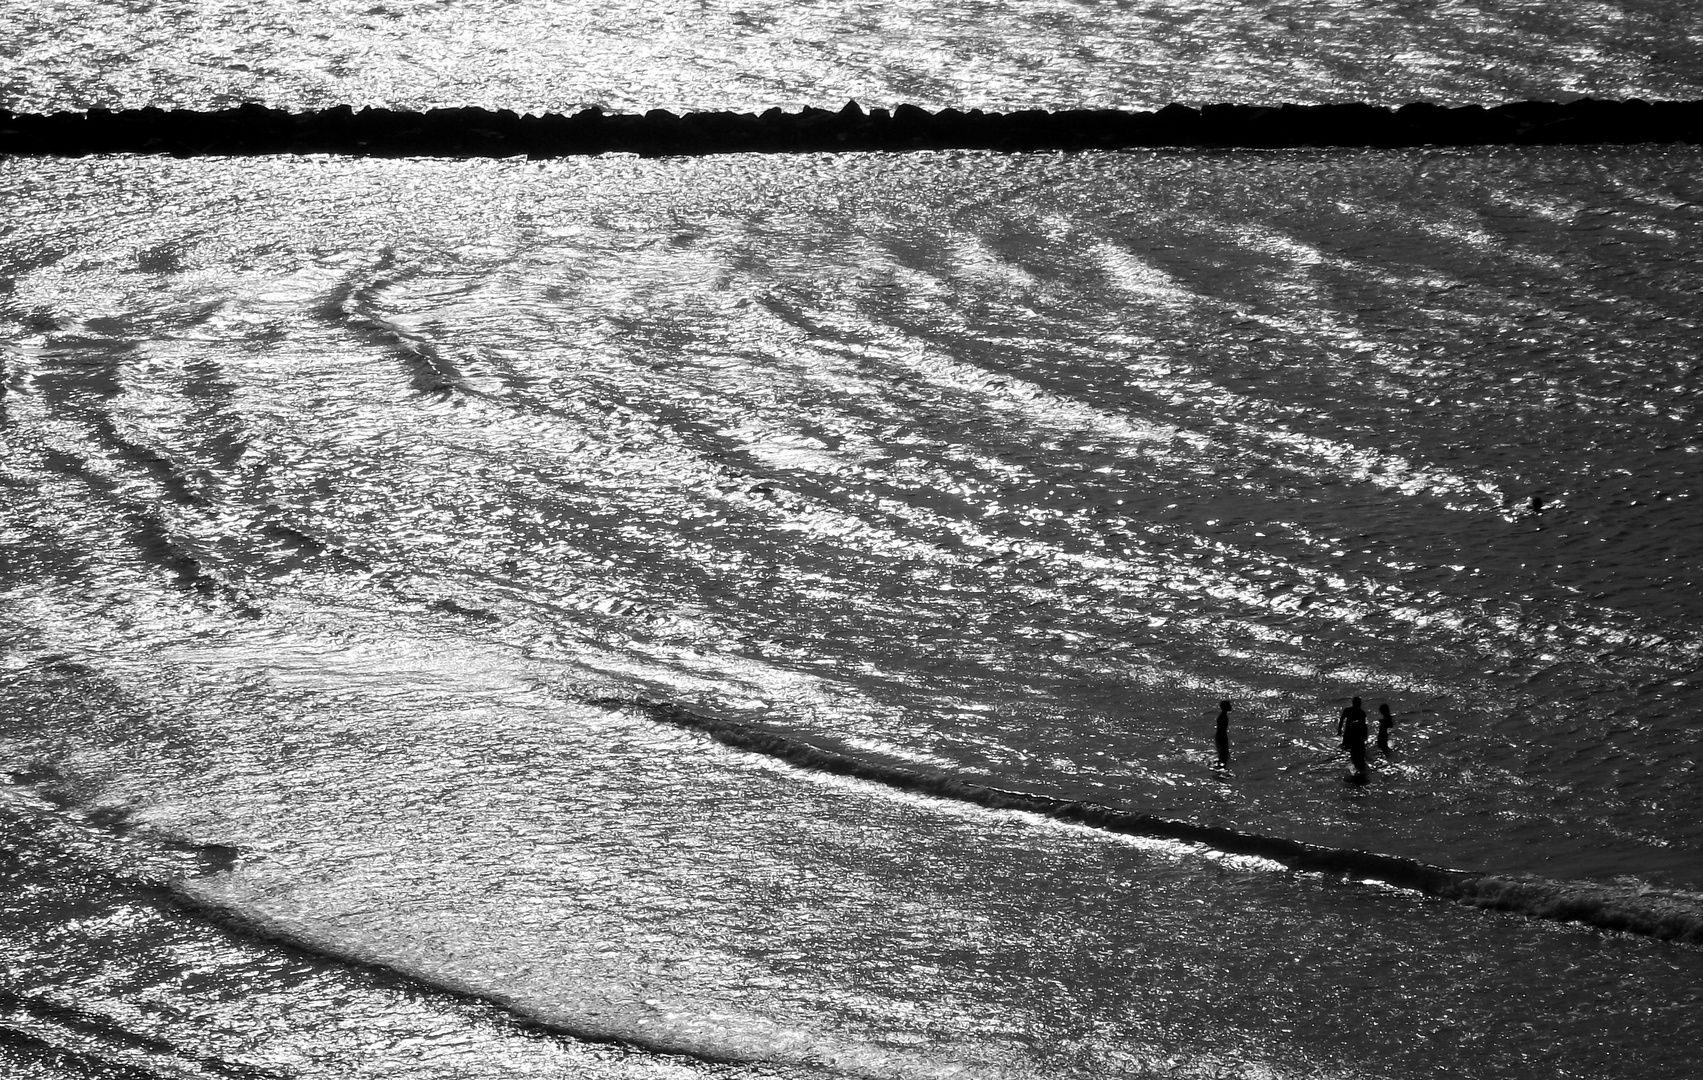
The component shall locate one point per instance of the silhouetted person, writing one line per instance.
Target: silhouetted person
(1352, 725)
(1354, 714)
(1384, 722)
(1223, 734)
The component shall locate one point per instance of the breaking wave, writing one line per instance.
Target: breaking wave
(1630, 908)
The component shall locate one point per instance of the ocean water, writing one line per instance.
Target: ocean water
(354, 509)
(754, 617)
(755, 54)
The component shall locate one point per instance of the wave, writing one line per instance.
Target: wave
(58, 1056)
(1634, 908)
(181, 895)
(165, 473)
(150, 534)
(58, 1036)
(45, 832)
(354, 305)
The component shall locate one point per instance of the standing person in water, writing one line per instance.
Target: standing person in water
(1384, 722)
(1352, 725)
(1223, 734)
(1354, 714)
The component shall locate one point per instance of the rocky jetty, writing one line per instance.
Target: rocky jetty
(471, 132)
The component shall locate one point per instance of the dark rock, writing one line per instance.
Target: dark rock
(253, 128)
(1419, 123)
(1175, 125)
(1349, 124)
(910, 115)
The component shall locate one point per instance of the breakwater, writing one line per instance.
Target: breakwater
(472, 132)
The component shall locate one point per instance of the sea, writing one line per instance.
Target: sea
(763, 617)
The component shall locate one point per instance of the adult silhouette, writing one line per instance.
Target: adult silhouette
(1223, 734)
(1352, 726)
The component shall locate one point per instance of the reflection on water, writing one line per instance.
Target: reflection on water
(561, 57)
(337, 490)
(1068, 450)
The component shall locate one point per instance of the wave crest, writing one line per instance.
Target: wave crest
(1635, 908)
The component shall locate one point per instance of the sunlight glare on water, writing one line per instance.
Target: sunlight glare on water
(562, 57)
(621, 618)
(353, 505)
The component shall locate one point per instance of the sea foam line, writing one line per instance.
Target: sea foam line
(173, 886)
(180, 893)
(1633, 910)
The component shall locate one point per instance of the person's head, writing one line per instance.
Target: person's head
(1357, 702)
(1384, 708)
(1224, 705)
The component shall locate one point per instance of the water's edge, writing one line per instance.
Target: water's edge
(1606, 907)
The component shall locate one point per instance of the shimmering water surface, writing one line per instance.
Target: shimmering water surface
(716, 54)
(355, 515)
(345, 501)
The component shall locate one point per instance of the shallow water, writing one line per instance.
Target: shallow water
(357, 515)
(347, 502)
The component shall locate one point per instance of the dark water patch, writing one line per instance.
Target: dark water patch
(214, 397)
(475, 132)
(166, 1059)
(147, 532)
(150, 535)
(452, 607)
(301, 548)
(1632, 909)
(160, 259)
(77, 367)
(66, 1060)
(309, 545)
(158, 323)
(43, 806)
(15, 1003)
